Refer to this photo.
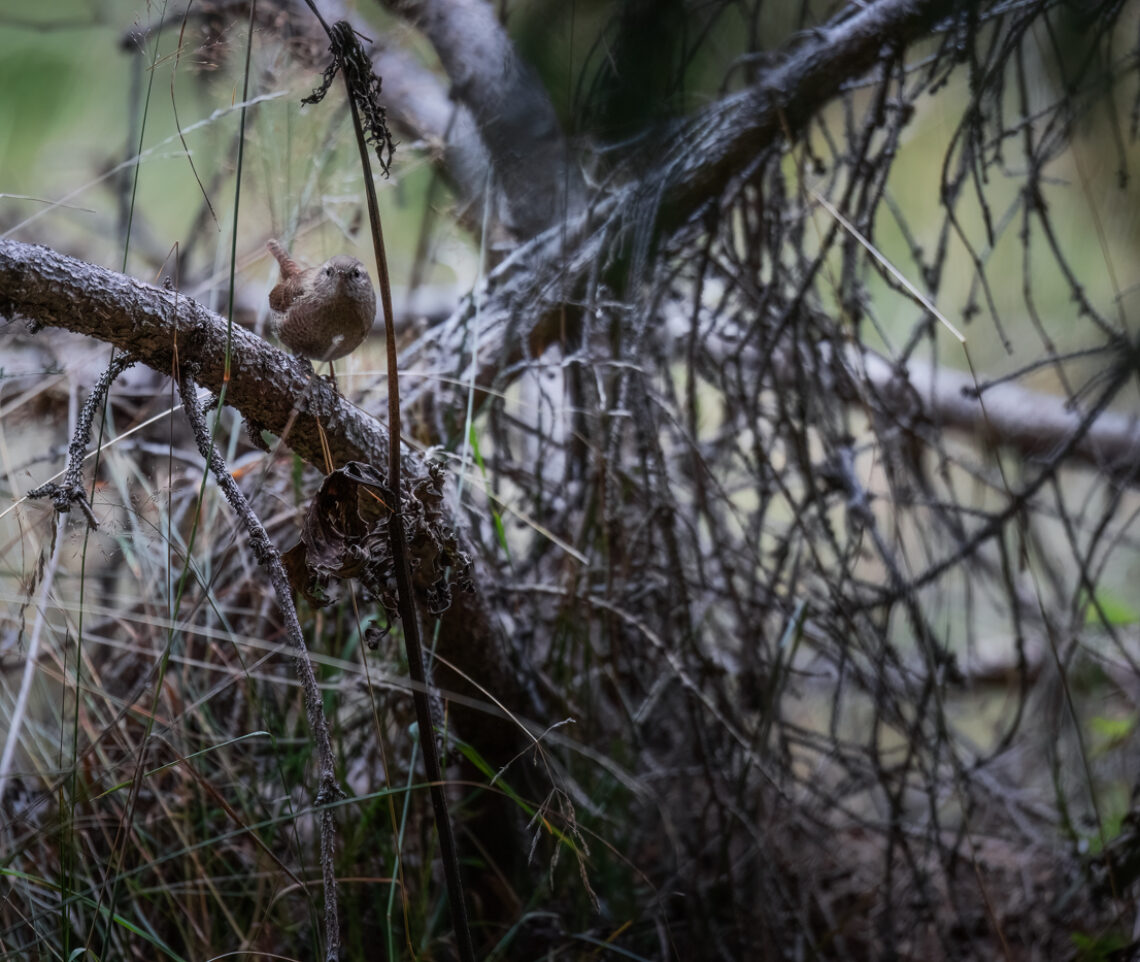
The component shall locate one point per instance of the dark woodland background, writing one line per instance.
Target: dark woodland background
(779, 362)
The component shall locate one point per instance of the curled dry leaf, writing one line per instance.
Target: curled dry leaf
(345, 536)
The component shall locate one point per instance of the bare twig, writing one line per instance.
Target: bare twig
(269, 558)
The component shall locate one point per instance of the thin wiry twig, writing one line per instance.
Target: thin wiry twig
(269, 558)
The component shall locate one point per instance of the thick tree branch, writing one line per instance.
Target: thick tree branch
(811, 70)
(159, 326)
(538, 185)
(1033, 423)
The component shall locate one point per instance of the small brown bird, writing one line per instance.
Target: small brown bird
(323, 312)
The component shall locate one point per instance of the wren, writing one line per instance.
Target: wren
(323, 313)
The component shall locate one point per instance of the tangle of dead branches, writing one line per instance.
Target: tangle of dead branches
(834, 600)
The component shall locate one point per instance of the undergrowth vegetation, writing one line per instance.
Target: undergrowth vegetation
(769, 476)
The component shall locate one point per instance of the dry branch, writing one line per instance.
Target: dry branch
(529, 158)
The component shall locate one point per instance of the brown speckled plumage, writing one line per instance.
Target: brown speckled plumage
(324, 312)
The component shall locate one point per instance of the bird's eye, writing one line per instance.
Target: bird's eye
(355, 272)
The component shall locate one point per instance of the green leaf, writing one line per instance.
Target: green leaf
(1110, 733)
(1110, 609)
